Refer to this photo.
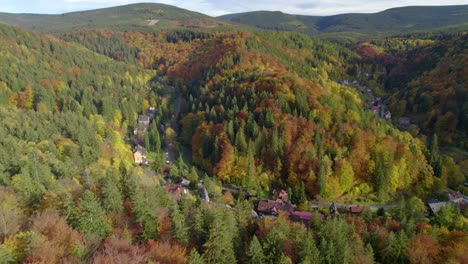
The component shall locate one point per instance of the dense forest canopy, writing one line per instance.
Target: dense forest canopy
(224, 117)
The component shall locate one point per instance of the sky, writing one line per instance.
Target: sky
(221, 7)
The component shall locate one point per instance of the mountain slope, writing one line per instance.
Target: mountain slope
(260, 109)
(142, 16)
(391, 21)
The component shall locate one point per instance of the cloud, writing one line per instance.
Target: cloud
(220, 7)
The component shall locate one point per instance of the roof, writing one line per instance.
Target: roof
(404, 120)
(140, 149)
(183, 182)
(177, 190)
(270, 206)
(435, 207)
(359, 209)
(301, 217)
(144, 118)
(453, 196)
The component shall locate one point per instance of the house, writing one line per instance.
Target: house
(359, 209)
(455, 197)
(388, 115)
(139, 155)
(301, 217)
(404, 122)
(183, 182)
(176, 190)
(144, 120)
(283, 195)
(434, 206)
(151, 112)
(375, 109)
(273, 207)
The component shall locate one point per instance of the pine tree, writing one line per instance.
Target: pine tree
(147, 142)
(195, 257)
(90, 217)
(111, 197)
(434, 158)
(180, 230)
(321, 177)
(255, 252)
(219, 247)
(155, 138)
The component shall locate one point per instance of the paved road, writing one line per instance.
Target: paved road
(345, 206)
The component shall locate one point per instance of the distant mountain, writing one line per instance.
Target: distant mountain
(391, 21)
(132, 16)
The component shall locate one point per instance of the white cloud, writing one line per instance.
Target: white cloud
(220, 7)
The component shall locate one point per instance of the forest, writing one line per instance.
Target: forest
(258, 110)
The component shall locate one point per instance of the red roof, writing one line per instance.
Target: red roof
(455, 196)
(269, 206)
(301, 217)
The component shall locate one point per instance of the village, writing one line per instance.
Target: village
(278, 201)
(375, 104)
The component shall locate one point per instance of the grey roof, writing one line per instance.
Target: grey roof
(435, 207)
(140, 149)
(144, 118)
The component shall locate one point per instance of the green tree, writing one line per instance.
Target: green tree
(111, 196)
(219, 247)
(449, 216)
(255, 252)
(395, 248)
(451, 173)
(434, 156)
(195, 257)
(90, 217)
(179, 226)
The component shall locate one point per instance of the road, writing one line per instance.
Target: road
(345, 206)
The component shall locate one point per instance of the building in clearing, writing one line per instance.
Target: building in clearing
(139, 155)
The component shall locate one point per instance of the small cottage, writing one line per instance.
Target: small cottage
(144, 120)
(151, 112)
(455, 197)
(183, 182)
(273, 207)
(434, 206)
(139, 155)
(388, 115)
(404, 122)
(176, 190)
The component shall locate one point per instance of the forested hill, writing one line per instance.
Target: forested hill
(391, 21)
(261, 108)
(424, 78)
(144, 16)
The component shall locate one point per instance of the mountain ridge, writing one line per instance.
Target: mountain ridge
(390, 21)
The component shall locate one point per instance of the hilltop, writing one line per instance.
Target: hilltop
(391, 21)
(143, 16)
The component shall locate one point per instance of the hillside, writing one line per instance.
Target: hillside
(144, 16)
(388, 22)
(424, 78)
(252, 106)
